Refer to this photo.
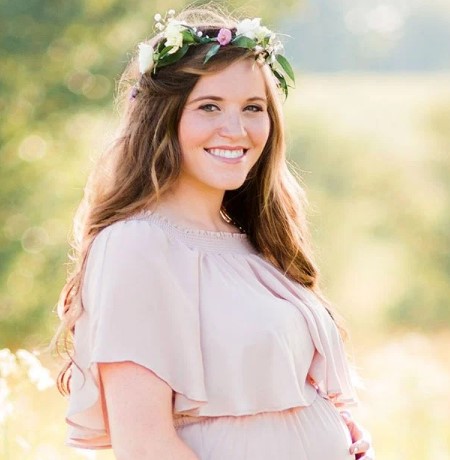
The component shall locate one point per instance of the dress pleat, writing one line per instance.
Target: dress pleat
(254, 359)
(316, 432)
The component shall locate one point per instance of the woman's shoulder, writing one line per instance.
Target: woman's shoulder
(134, 230)
(154, 231)
(133, 243)
(133, 251)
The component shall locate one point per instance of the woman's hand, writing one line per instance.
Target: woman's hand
(361, 439)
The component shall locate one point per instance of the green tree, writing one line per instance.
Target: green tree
(59, 63)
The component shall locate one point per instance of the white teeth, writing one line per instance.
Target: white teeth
(226, 153)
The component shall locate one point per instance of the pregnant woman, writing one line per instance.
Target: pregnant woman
(199, 331)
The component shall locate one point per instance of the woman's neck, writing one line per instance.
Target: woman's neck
(194, 209)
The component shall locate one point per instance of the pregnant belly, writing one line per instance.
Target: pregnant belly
(316, 432)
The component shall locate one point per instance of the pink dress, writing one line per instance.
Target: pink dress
(253, 358)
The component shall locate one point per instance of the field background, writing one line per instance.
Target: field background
(370, 138)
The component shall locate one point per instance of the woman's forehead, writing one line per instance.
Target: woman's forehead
(243, 79)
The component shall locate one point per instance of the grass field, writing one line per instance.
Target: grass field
(405, 372)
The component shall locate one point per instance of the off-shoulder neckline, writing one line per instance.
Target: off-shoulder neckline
(154, 215)
(220, 242)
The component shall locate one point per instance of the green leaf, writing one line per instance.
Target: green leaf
(282, 82)
(171, 58)
(244, 42)
(164, 51)
(188, 36)
(286, 66)
(204, 40)
(212, 51)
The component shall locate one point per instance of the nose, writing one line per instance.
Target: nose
(233, 125)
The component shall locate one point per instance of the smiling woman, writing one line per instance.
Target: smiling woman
(223, 129)
(199, 331)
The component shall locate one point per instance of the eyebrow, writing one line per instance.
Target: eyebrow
(217, 98)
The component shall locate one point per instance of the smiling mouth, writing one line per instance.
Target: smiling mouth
(238, 153)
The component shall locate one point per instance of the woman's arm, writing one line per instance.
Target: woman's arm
(139, 413)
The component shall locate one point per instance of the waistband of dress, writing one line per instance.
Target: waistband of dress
(182, 420)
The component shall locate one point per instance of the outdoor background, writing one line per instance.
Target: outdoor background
(368, 126)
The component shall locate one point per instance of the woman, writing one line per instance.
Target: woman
(199, 331)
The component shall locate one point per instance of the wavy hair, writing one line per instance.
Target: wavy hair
(144, 162)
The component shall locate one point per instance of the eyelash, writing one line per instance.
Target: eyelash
(206, 107)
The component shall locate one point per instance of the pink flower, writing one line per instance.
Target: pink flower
(224, 37)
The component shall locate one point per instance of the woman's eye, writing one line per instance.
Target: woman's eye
(209, 107)
(254, 108)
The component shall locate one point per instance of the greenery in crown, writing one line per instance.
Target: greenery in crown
(176, 37)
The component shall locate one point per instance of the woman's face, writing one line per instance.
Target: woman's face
(224, 127)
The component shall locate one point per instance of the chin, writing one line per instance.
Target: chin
(233, 183)
(232, 186)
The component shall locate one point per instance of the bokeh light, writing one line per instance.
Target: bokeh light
(368, 127)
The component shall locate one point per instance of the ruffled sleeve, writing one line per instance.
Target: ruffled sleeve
(140, 298)
(329, 371)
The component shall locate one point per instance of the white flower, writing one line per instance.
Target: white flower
(29, 359)
(262, 32)
(145, 57)
(157, 17)
(37, 373)
(171, 12)
(8, 363)
(174, 36)
(278, 48)
(6, 407)
(249, 28)
(40, 376)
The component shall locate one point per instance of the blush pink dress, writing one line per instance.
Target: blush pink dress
(254, 360)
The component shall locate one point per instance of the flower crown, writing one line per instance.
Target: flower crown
(176, 37)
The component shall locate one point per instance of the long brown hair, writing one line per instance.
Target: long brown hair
(144, 162)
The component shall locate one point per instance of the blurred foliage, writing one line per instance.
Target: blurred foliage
(388, 209)
(375, 160)
(59, 63)
(381, 207)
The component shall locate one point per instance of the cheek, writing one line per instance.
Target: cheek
(193, 132)
(186, 132)
(261, 130)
